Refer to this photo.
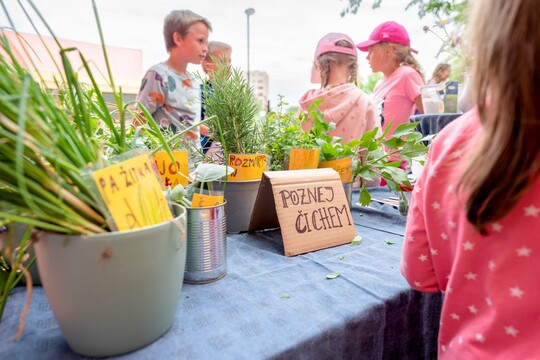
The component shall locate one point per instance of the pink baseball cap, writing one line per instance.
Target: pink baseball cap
(328, 44)
(389, 31)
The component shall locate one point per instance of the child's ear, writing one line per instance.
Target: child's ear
(177, 38)
(205, 66)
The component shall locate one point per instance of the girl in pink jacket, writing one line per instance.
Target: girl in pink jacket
(335, 68)
(473, 231)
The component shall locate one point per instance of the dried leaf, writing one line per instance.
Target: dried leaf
(356, 241)
(332, 275)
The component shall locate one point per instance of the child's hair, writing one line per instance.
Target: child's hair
(179, 21)
(214, 46)
(334, 57)
(506, 74)
(403, 56)
(439, 69)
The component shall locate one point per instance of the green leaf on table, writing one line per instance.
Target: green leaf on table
(332, 275)
(365, 197)
(356, 241)
(284, 296)
(389, 242)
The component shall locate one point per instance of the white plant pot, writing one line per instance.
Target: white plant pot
(116, 292)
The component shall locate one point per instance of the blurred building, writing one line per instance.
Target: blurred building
(258, 81)
(43, 56)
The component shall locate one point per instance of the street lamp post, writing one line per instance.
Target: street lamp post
(249, 12)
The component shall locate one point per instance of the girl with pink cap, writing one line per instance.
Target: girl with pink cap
(398, 91)
(335, 68)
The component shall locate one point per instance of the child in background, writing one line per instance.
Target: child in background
(335, 68)
(474, 219)
(217, 52)
(389, 52)
(440, 74)
(168, 91)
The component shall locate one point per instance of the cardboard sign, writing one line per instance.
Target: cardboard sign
(303, 159)
(247, 166)
(310, 207)
(172, 174)
(132, 194)
(343, 166)
(201, 200)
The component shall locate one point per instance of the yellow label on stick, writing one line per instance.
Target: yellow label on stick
(201, 200)
(132, 193)
(172, 173)
(303, 159)
(343, 167)
(247, 166)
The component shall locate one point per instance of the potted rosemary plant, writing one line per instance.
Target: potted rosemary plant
(230, 100)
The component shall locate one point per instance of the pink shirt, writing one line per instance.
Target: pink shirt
(347, 106)
(490, 283)
(399, 90)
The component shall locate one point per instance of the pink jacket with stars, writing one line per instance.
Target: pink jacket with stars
(347, 106)
(490, 283)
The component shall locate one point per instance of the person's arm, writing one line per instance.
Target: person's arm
(418, 104)
(150, 96)
(466, 101)
(416, 263)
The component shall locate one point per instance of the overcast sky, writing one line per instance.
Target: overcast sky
(283, 33)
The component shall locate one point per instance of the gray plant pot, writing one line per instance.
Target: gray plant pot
(206, 259)
(240, 197)
(348, 189)
(116, 292)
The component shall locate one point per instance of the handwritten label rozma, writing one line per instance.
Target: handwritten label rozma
(247, 166)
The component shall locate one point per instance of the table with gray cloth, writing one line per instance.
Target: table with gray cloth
(430, 124)
(278, 307)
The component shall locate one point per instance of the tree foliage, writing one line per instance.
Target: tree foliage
(439, 8)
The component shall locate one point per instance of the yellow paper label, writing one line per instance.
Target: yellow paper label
(343, 167)
(132, 193)
(247, 166)
(201, 200)
(172, 173)
(303, 159)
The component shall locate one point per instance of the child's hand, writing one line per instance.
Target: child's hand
(191, 135)
(205, 130)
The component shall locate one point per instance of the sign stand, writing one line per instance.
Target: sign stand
(310, 206)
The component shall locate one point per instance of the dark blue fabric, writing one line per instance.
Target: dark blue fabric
(430, 124)
(368, 312)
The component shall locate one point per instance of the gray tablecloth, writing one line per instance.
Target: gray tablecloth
(368, 312)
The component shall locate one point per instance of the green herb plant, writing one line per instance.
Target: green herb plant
(282, 132)
(374, 153)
